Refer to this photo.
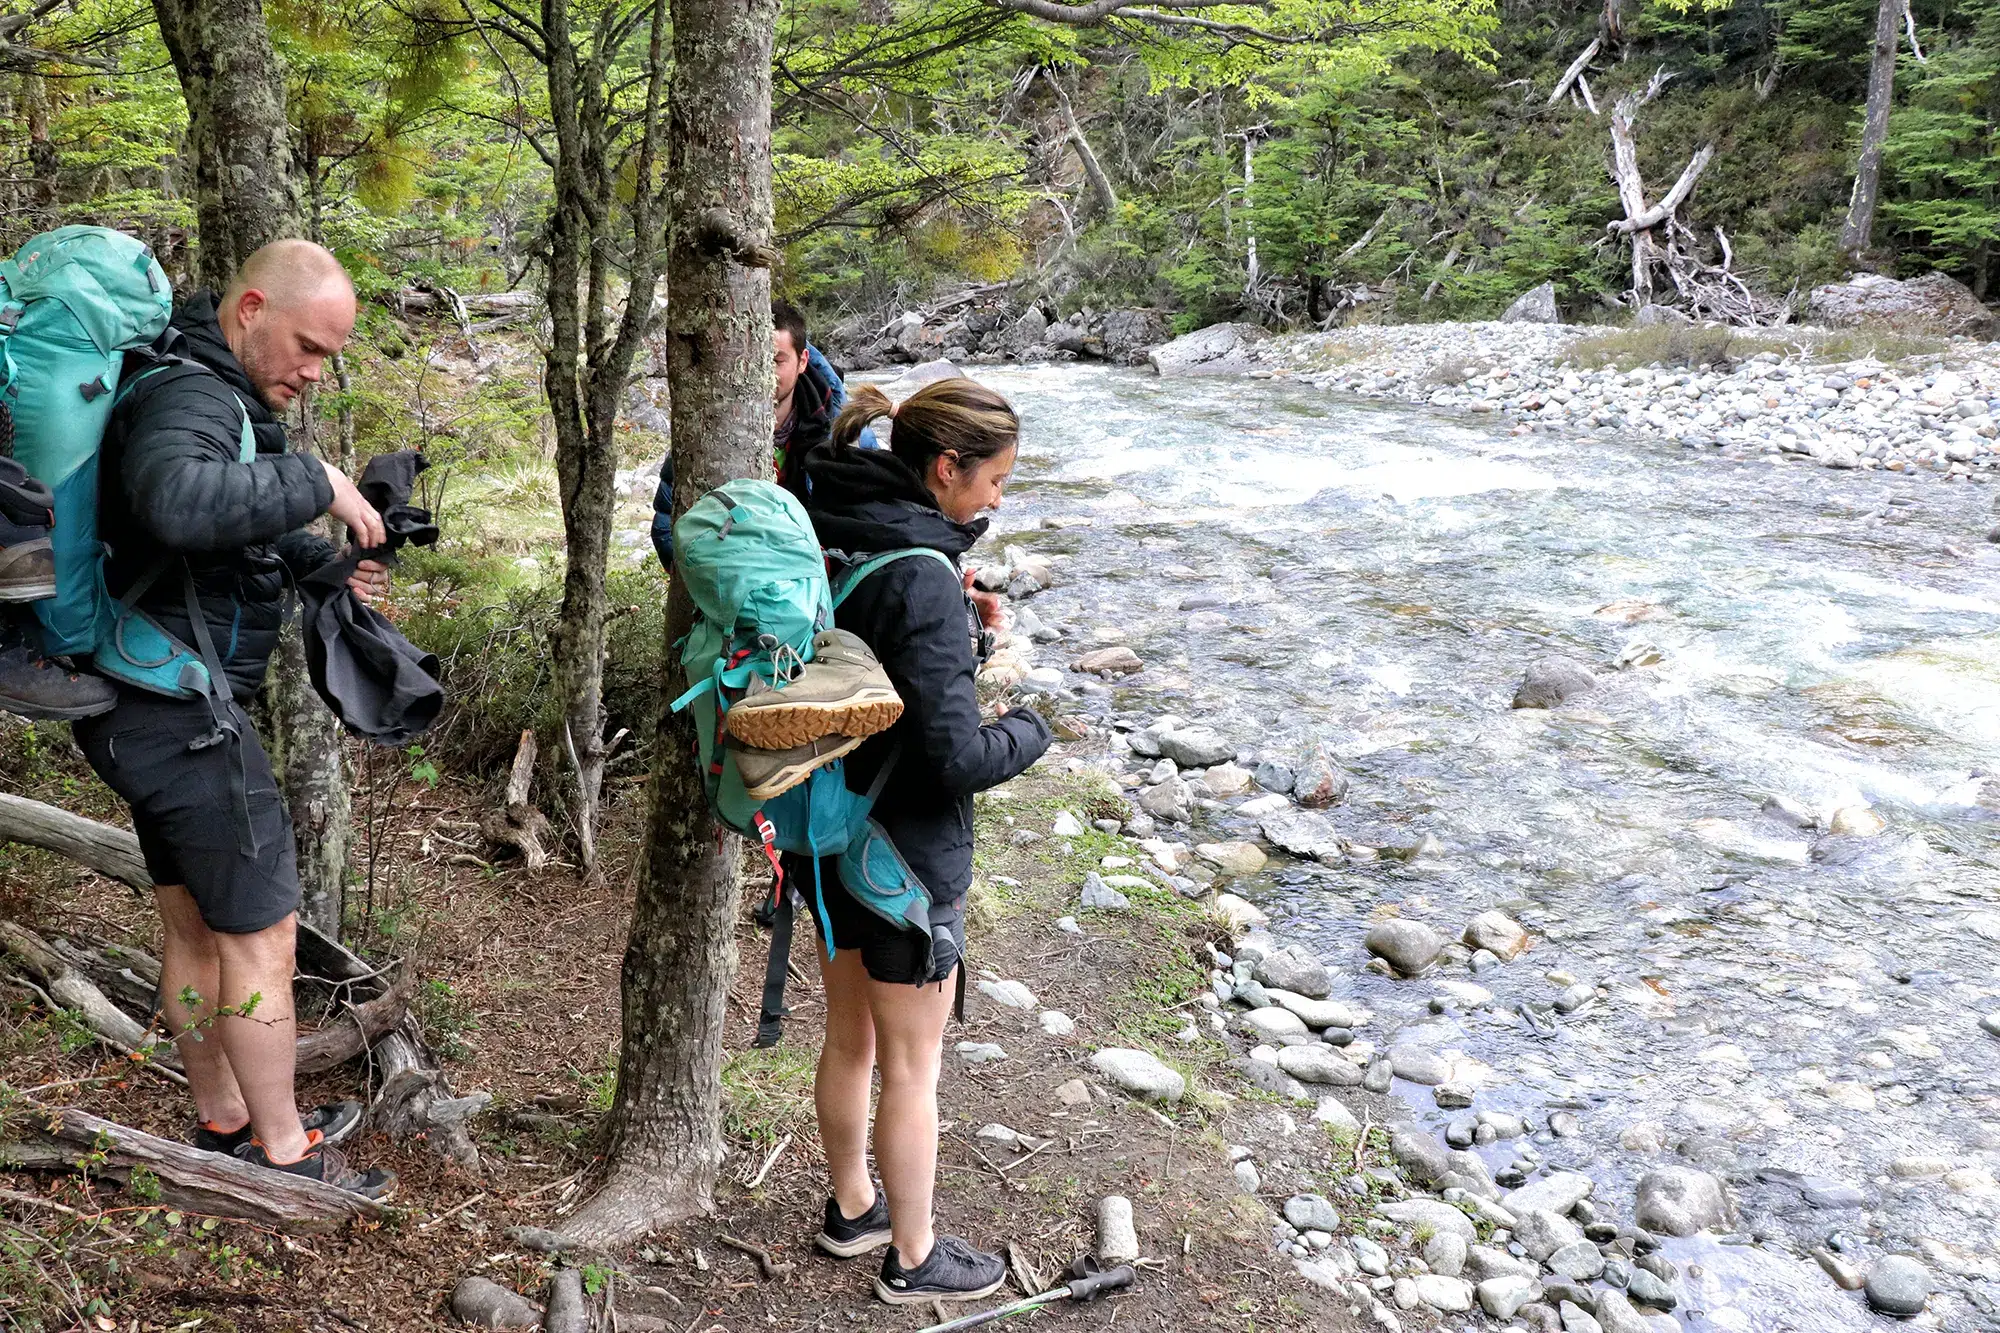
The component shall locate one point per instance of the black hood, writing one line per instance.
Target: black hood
(202, 340)
(866, 500)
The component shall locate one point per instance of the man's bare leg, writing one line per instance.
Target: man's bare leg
(262, 1045)
(191, 966)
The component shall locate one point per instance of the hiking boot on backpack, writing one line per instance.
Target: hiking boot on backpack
(768, 774)
(36, 687)
(843, 691)
(326, 1164)
(27, 554)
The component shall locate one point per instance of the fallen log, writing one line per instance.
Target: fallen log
(1575, 72)
(352, 1030)
(424, 1104)
(413, 300)
(43, 1138)
(67, 986)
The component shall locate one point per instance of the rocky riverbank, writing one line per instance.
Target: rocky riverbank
(1446, 1196)
(1799, 392)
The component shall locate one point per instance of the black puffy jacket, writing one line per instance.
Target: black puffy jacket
(913, 614)
(171, 486)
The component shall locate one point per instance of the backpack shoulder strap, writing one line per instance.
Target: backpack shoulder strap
(165, 358)
(850, 579)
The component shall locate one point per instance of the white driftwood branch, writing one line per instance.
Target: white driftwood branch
(1575, 71)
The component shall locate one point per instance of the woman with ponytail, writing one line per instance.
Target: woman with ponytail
(889, 991)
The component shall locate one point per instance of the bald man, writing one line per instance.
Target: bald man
(202, 540)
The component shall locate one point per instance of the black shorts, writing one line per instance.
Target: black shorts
(890, 953)
(209, 818)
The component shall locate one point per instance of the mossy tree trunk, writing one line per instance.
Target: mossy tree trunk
(1860, 225)
(663, 1144)
(246, 195)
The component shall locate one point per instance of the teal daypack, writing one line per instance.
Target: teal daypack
(73, 302)
(758, 579)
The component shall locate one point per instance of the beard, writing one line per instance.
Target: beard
(256, 359)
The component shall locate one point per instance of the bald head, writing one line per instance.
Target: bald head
(287, 309)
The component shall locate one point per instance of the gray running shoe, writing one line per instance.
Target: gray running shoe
(843, 690)
(952, 1271)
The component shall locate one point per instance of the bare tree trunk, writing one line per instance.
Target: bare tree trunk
(41, 150)
(1860, 225)
(1093, 172)
(1249, 227)
(245, 194)
(663, 1139)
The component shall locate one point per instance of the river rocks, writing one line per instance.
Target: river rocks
(1101, 897)
(1503, 1297)
(1432, 1213)
(1333, 1113)
(1219, 347)
(1679, 1201)
(1414, 1064)
(1541, 1233)
(1576, 1319)
(1369, 1257)
(1898, 1285)
(1448, 1294)
(1237, 914)
(1991, 1023)
(1498, 934)
(1291, 968)
(1318, 784)
(1317, 1013)
(1407, 946)
(1126, 334)
(1932, 304)
(1109, 662)
(1537, 305)
(1302, 833)
(1616, 1315)
(1445, 1253)
(1578, 1261)
(1239, 859)
(1273, 1023)
(1558, 1192)
(1140, 1073)
(1553, 681)
(1195, 747)
(1649, 1288)
(1423, 1159)
(1483, 1262)
(1066, 825)
(1855, 821)
(1274, 777)
(1008, 994)
(1170, 800)
(1316, 1062)
(1311, 1212)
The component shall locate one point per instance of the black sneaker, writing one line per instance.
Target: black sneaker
(335, 1121)
(325, 1164)
(952, 1271)
(844, 1238)
(35, 687)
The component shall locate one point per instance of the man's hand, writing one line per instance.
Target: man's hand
(991, 613)
(369, 580)
(364, 525)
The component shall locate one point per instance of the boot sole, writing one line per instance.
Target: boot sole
(787, 778)
(852, 1249)
(780, 726)
(52, 713)
(39, 590)
(924, 1296)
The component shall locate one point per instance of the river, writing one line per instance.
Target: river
(1795, 1012)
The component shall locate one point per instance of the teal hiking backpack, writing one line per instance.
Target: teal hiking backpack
(73, 302)
(754, 569)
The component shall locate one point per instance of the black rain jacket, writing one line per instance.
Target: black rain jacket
(913, 613)
(170, 486)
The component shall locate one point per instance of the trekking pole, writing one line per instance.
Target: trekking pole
(1086, 1288)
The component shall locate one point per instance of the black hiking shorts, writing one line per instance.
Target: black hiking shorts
(888, 953)
(210, 817)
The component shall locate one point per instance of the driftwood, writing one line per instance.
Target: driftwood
(416, 301)
(1575, 72)
(421, 1101)
(39, 1138)
(517, 823)
(351, 1032)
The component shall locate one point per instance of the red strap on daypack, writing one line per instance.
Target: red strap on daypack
(767, 834)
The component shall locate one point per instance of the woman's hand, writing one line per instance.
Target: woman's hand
(369, 580)
(991, 613)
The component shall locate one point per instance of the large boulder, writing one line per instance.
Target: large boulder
(1651, 316)
(1679, 1201)
(1128, 333)
(1065, 337)
(1219, 347)
(1553, 681)
(1932, 303)
(1022, 334)
(1537, 305)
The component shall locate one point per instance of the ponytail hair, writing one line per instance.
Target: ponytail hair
(957, 416)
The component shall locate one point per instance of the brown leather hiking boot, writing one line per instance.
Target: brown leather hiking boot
(842, 691)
